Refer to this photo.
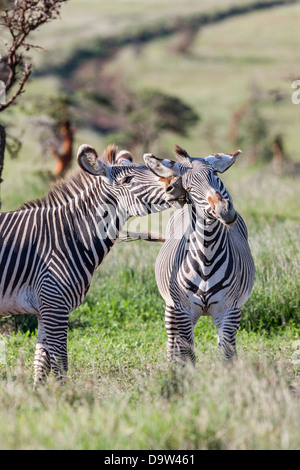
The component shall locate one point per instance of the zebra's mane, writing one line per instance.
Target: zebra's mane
(61, 192)
(65, 190)
(109, 155)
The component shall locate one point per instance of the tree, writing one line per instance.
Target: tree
(18, 20)
(53, 120)
(151, 112)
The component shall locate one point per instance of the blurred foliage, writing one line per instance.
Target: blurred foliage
(5, 4)
(250, 129)
(151, 112)
(170, 112)
(47, 115)
(254, 135)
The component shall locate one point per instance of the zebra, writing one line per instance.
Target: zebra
(51, 247)
(205, 266)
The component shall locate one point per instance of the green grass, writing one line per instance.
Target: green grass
(121, 393)
(146, 405)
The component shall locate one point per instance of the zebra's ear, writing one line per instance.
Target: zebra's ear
(222, 161)
(88, 160)
(161, 167)
(182, 155)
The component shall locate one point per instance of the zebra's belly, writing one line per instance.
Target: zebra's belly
(215, 295)
(23, 301)
(203, 303)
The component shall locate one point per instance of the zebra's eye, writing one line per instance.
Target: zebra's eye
(188, 189)
(126, 179)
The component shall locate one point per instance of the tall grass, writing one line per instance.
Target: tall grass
(248, 406)
(268, 203)
(275, 300)
(121, 393)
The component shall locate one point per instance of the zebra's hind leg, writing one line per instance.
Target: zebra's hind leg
(228, 324)
(42, 364)
(180, 331)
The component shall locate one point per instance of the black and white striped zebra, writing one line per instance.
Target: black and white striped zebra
(205, 266)
(51, 247)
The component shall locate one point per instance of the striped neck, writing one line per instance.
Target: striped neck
(205, 233)
(104, 217)
(92, 221)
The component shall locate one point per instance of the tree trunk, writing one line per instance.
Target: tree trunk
(2, 151)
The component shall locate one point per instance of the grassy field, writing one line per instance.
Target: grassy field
(121, 394)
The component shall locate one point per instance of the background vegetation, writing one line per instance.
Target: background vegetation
(233, 77)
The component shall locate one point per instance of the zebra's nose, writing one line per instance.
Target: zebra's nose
(214, 199)
(170, 188)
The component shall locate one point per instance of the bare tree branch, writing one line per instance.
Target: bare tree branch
(19, 90)
(24, 17)
(19, 19)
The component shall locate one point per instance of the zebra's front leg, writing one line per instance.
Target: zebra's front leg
(42, 365)
(180, 331)
(228, 324)
(56, 328)
(172, 333)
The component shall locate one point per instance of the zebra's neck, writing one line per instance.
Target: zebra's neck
(104, 218)
(205, 233)
(82, 217)
(92, 220)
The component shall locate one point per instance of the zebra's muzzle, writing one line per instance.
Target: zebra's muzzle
(222, 208)
(232, 222)
(177, 203)
(176, 194)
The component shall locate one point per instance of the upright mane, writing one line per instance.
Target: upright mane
(66, 189)
(61, 192)
(109, 155)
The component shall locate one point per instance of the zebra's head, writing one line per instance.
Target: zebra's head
(137, 189)
(204, 189)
